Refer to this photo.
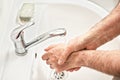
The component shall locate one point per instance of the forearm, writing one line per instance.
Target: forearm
(106, 29)
(104, 61)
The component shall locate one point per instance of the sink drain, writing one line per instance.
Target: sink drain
(58, 76)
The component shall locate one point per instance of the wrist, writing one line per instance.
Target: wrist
(84, 58)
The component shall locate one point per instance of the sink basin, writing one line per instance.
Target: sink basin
(76, 18)
(17, 67)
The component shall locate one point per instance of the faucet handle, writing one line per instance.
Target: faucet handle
(17, 32)
(18, 38)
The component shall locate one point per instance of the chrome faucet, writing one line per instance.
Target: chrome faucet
(21, 46)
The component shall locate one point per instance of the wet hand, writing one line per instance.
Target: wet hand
(53, 53)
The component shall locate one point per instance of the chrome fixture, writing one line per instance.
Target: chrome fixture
(21, 46)
(58, 76)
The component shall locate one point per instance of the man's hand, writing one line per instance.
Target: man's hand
(53, 53)
(73, 63)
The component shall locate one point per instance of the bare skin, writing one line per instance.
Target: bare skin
(102, 32)
(104, 61)
(62, 56)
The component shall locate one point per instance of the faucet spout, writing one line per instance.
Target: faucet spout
(45, 36)
(21, 46)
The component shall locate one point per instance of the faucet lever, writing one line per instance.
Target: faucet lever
(21, 47)
(17, 32)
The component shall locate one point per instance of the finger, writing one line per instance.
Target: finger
(52, 60)
(76, 69)
(64, 56)
(65, 66)
(51, 66)
(73, 69)
(50, 47)
(54, 66)
(48, 63)
(46, 56)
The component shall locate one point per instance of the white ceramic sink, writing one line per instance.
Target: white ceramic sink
(76, 18)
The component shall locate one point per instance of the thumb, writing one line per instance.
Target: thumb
(66, 66)
(50, 47)
(64, 56)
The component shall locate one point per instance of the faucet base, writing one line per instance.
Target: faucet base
(22, 53)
